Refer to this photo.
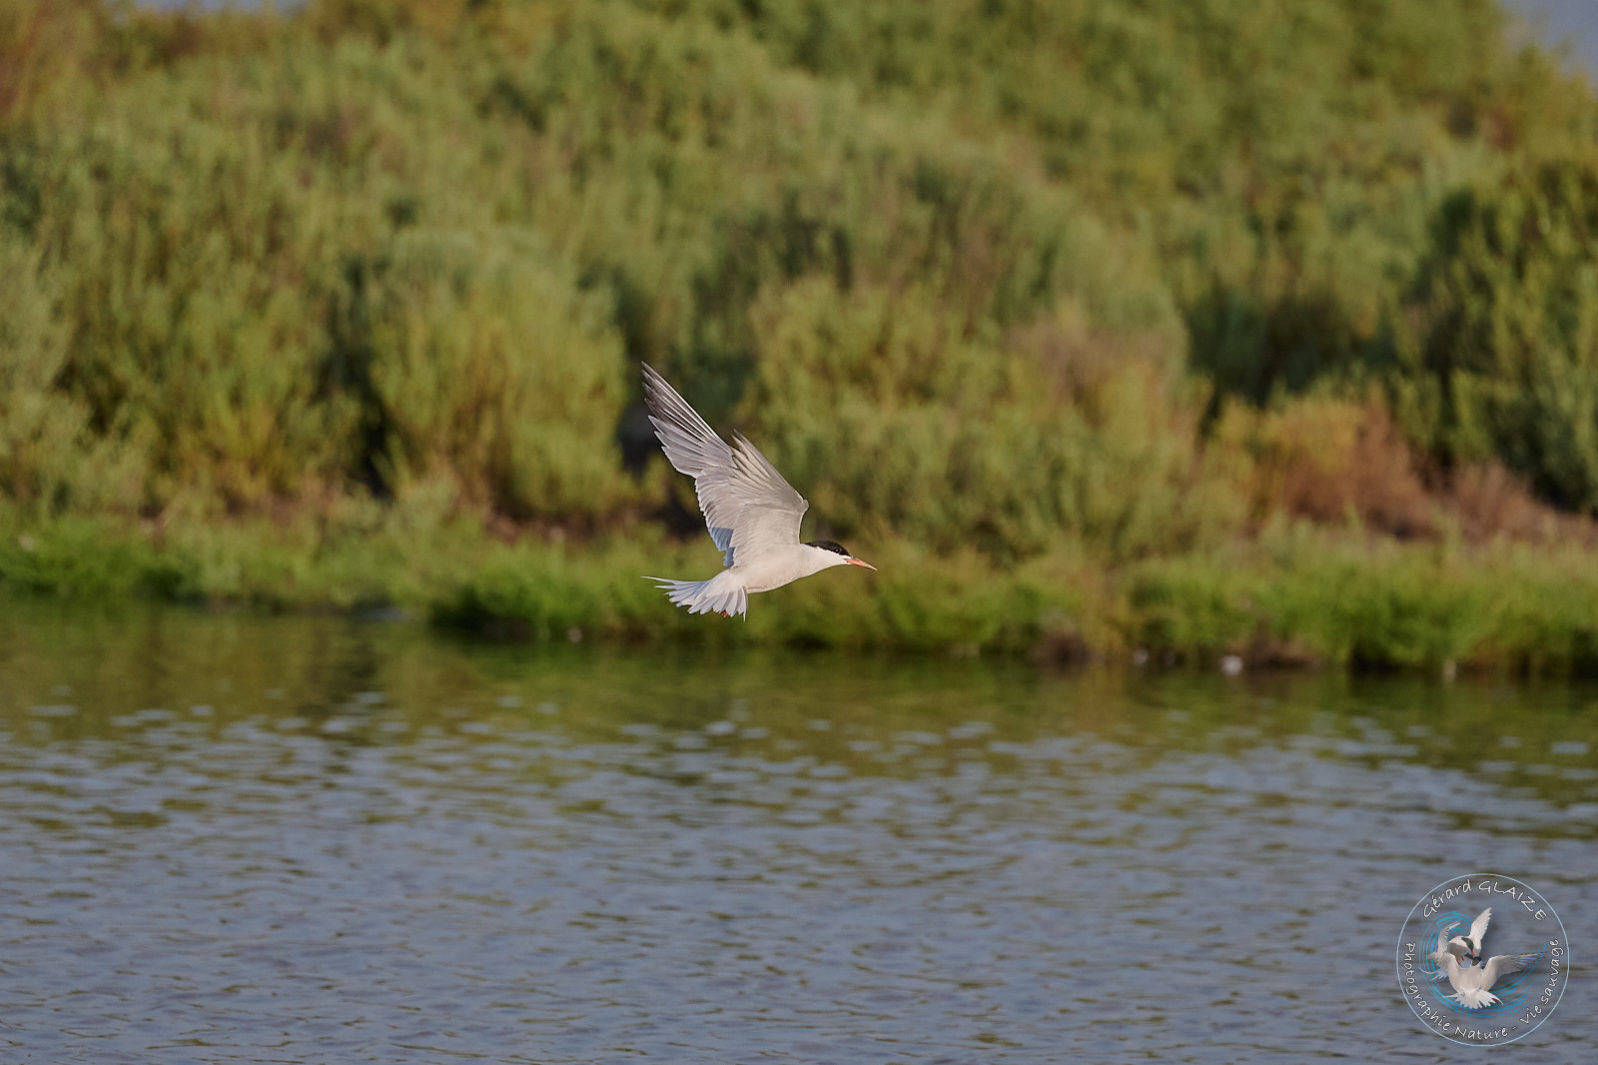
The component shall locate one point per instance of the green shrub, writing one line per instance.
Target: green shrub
(953, 440)
(1500, 353)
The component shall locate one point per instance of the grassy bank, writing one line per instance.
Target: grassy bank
(1295, 598)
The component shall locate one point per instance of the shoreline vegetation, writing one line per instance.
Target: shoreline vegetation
(1165, 334)
(1296, 598)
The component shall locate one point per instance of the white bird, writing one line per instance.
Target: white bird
(1473, 984)
(753, 513)
(1470, 946)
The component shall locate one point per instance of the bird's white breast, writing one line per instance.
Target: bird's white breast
(778, 566)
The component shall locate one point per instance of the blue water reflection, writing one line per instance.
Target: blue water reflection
(244, 839)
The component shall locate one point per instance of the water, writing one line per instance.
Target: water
(306, 840)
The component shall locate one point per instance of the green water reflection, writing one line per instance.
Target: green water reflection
(75, 673)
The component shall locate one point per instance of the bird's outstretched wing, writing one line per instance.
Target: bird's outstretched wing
(1478, 927)
(1496, 968)
(747, 504)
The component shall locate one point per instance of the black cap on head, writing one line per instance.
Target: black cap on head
(829, 545)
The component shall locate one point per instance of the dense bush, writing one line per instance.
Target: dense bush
(953, 440)
(1500, 348)
(990, 277)
(275, 282)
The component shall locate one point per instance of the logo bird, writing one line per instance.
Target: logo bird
(1473, 984)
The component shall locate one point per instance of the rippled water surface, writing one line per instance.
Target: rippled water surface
(307, 840)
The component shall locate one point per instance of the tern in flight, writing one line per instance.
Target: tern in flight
(753, 513)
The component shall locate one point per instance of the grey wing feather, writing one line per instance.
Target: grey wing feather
(692, 447)
(772, 514)
(1503, 965)
(1478, 927)
(746, 502)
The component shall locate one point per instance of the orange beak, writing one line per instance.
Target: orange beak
(860, 562)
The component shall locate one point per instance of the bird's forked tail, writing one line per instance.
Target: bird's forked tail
(721, 594)
(1475, 998)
